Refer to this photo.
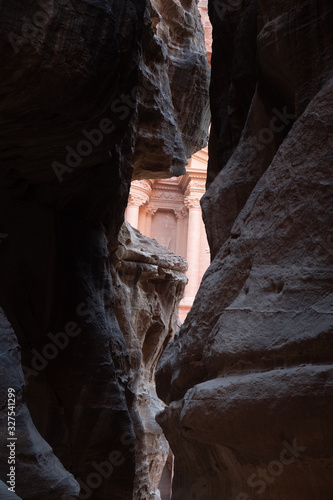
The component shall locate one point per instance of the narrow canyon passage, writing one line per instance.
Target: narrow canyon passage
(104, 395)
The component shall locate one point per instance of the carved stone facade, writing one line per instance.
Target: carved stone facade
(169, 211)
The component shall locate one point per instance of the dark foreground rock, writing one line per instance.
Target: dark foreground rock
(77, 91)
(249, 378)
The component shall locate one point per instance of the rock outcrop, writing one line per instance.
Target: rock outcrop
(249, 378)
(174, 114)
(149, 283)
(78, 88)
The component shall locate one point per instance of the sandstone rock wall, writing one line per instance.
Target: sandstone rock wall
(47, 475)
(174, 115)
(78, 85)
(249, 378)
(149, 283)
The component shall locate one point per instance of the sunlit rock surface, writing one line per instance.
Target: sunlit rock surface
(149, 282)
(79, 90)
(249, 378)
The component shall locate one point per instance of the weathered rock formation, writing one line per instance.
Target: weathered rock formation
(80, 82)
(249, 378)
(149, 283)
(174, 114)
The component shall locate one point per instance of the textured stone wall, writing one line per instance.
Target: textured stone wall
(249, 380)
(81, 83)
(149, 283)
(174, 115)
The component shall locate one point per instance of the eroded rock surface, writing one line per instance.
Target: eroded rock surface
(249, 378)
(74, 119)
(149, 283)
(174, 114)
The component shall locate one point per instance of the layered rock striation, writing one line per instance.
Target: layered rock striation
(249, 378)
(78, 91)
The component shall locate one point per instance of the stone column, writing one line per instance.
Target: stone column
(142, 219)
(139, 196)
(192, 201)
(181, 214)
(150, 211)
(132, 210)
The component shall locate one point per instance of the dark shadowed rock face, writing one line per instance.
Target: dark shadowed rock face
(233, 77)
(76, 93)
(249, 377)
(47, 474)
